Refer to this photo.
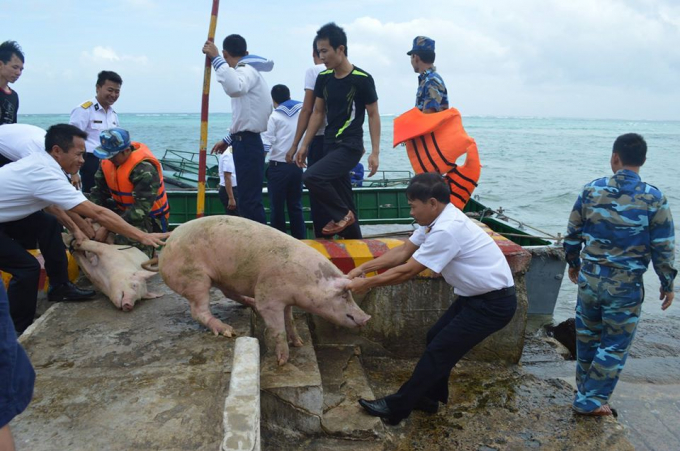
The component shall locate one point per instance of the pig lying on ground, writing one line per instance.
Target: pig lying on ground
(247, 260)
(114, 270)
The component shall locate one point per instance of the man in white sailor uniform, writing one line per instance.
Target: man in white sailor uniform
(92, 117)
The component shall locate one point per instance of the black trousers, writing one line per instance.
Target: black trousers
(329, 183)
(15, 238)
(224, 198)
(320, 216)
(88, 170)
(465, 324)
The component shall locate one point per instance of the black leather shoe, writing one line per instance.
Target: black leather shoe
(427, 405)
(69, 292)
(379, 408)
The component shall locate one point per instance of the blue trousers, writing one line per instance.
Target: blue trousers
(285, 190)
(466, 323)
(16, 372)
(249, 167)
(607, 313)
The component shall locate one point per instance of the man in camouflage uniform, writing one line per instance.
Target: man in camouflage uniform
(147, 188)
(432, 96)
(624, 223)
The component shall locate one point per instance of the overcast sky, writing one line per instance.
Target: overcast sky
(570, 58)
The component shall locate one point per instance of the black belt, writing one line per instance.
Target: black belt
(276, 163)
(491, 295)
(238, 136)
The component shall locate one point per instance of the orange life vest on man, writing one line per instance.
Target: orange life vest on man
(118, 181)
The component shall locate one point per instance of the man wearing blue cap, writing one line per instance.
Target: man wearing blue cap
(432, 96)
(130, 182)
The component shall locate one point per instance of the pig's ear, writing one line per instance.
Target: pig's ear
(144, 274)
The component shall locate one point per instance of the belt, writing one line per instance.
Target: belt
(492, 295)
(276, 163)
(238, 136)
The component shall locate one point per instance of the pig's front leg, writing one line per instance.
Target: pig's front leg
(291, 331)
(272, 314)
(200, 311)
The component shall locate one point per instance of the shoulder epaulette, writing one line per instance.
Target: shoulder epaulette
(87, 104)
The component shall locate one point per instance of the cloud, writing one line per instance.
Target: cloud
(107, 55)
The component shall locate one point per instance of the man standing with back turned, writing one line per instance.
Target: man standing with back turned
(250, 109)
(344, 93)
(624, 223)
(432, 96)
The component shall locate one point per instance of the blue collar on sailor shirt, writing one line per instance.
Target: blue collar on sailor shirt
(290, 107)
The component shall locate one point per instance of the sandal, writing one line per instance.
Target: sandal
(602, 411)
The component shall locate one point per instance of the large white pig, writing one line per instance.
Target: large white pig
(116, 271)
(247, 260)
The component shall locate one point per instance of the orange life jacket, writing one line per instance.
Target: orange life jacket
(433, 144)
(118, 180)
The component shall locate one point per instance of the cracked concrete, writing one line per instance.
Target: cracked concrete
(150, 379)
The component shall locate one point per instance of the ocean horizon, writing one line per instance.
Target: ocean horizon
(534, 168)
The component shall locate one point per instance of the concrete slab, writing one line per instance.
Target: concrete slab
(344, 383)
(149, 379)
(242, 407)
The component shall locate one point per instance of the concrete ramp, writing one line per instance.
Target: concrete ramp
(150, 379)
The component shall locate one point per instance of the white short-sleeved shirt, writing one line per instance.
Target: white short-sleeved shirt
(33, 183)
(91, 118)
(226, 164)
(310, 82)
(21, 140)
(464, 254)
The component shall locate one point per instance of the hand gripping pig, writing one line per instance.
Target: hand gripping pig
(247, 260)
(115, 270)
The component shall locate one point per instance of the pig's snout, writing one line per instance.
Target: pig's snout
(127, 306)
(361, 322)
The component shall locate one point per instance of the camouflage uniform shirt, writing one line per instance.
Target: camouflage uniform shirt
(431, 92)
(146, 181)
(624, 223)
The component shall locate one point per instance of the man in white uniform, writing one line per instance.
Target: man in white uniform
(27, 187)
(228, 191)
(250, 106)
(284, 180)
(93, 116)
(449, 243)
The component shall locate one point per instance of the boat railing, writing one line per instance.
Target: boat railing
(384, 178)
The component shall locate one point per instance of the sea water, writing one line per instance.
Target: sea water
(534, 168)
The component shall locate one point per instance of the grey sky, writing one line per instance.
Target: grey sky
(578, 58)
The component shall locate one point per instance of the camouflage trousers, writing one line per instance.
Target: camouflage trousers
(607, 312)
(149, 226)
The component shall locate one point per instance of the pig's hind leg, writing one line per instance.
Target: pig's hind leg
(272, 314)
(291, 330)
(198, 294)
